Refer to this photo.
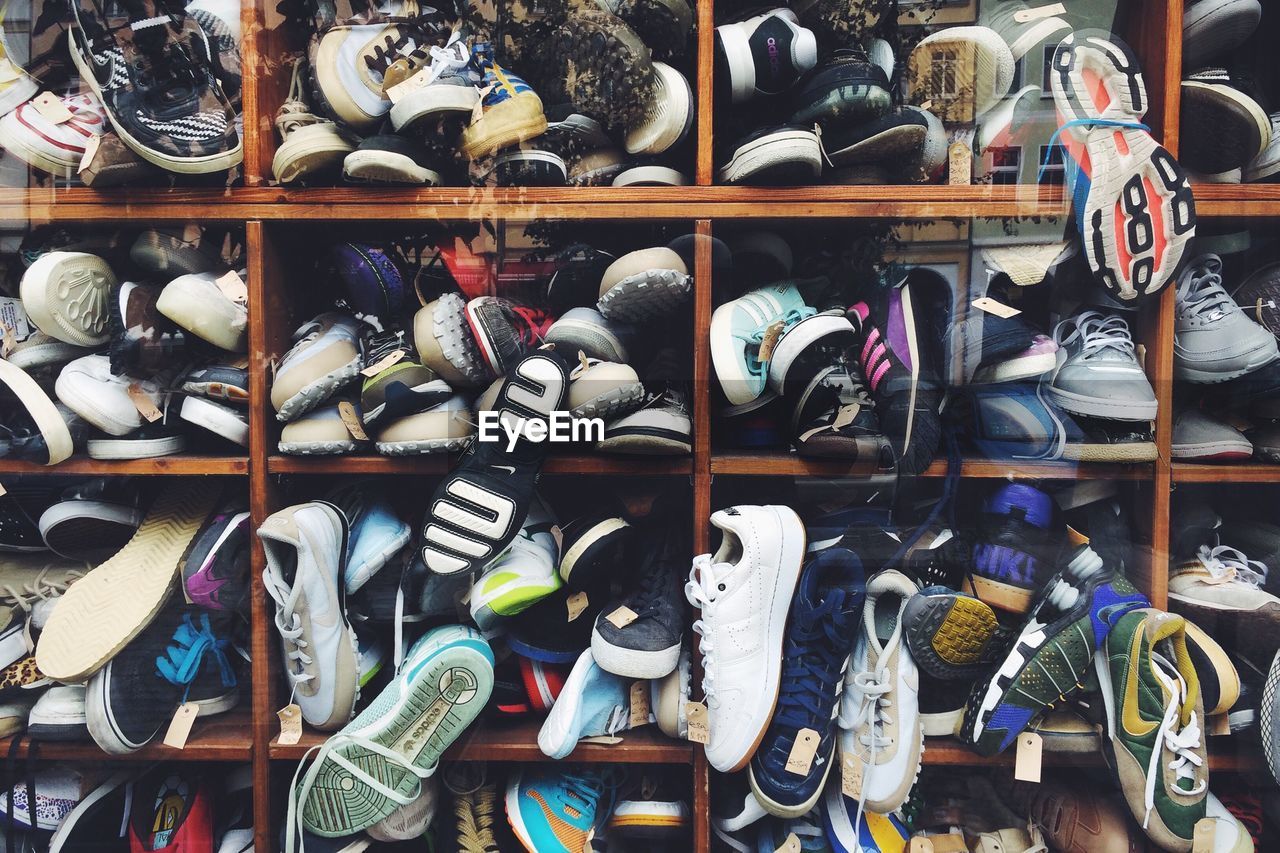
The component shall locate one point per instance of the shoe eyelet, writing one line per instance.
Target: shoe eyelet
(721, 587)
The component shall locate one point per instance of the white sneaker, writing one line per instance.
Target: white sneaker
(880, 709)
(602, 389)
(54, 148)
(87, 387)
(325, 356)
(197, 304)
(349, 63)
(305, 547)
(744, 591)
(521, 577)
(65, 294)
(219, 419)
(667, 118)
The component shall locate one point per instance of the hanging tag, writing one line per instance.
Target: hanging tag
(382, 364)
(180, 728)
(921, 845)
(558, 535)
(1202, 835)
(791, 845)
(143, 403)
(90, 148)
(622, 617)
(771, 336)
(290, 724)
(3, 490)
(602, 740)
(418, 81)
(851, 776)
(639, 704)
(14, 318)
(1219, 724)
(1026, 16)
(8, 342)
(478, 110)
(347, 412)
(233, 287)
(695, 714)
(846, 415)
(51, 107)
(991, 306)
(803, 750)
(1026, 766)
(576, 603)
(959, 164)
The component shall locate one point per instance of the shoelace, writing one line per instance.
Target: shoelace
(1100, 333)
(474, 812)
(183, 657)
(289, 625)
(585, 790)
(1227, 564)
(382, 344)
(1056, 139)
(756, 337)
(453, 57)
(871, 711)
(651, 592)
(1182, 743)
(393, 47)
(1200, 291)
(813, 666)
(536, 322)
(40, 588)
(701, 591)
(294, 112)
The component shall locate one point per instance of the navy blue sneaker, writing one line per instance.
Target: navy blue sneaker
(820, 634)
(1013, 555)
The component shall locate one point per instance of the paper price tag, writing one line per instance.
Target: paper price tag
(1202, 835)
(639, 704)
(233, 287)
(622, 617)
(992, 306)
(180, 727)
(51, 107)
(791, 845)
(851, 776)
(771, 337)
(347, 412)
(846, 415)
(802, 752)
(418, 81)
(143, 403)
(13, 318)
(695, 714)
(959, 164)
(1026, 767)
(558, 535)
(7, 342)
(383, 363)
(603, 740)
(90, 149)
(290, 724)
(576, 604)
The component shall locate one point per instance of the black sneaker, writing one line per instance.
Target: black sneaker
(897, 136)
(776, 155)
(1223, 126)
(504, 331)
(833, 416)
(763, 55)
(388, 158)
(478, 509)
(157, 84)
(20, 516)
(545, 632)
(98, 820)
(131, 699)
(594, 543)
(529, 165)
(649, 645)
(844, 89)
(404, 387)
(92, 520)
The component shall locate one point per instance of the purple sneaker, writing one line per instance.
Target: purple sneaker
(1013, 556)
(370, 280)
(215, 572)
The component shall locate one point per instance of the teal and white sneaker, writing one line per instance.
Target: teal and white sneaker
(738, 329)
(553, 810)
(378, 761)
(522, 576)
(592, 703)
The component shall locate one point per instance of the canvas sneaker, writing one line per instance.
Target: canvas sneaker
(510, 111)
(1098, 374)
(742, 593)
(53, 148)
(586, 330)
(1222, 590)
(33, 410)
(738, 331)
(659, 427)
(450, 84)
(1225, 127)
(764, 55)
(215, 572)
(1214, 338)
(349, 64)
(592, 703)
(310, 145)
(1014, 553)
(524, 575)
(504, 331)
(325, 356)
(56, 791)
(404, 387)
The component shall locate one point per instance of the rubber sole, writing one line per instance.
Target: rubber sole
(604, 66)
(317, 391)
(1221, 128)
(315, 150)
(792, 157)
(587, 551)
(423, 447)
(1102, 407)
(611, 404)
(634, 663)
(125, 448)
(99, 614)
(387, 167)
(646, 296)
(317, 448)
(950, 636)
(1129, 451)
(65, 294)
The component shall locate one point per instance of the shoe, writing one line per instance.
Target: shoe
(13, 632)
(1224, 127)
(1220, 685)
(592, 703)
(134, 696)
(40, 351)
(647, 646)
(445, 428)
(404, 387)
(388, 158)
(1098, 374)
(449, 86)
(1049, 658)
(952, 636)
(1214, 338)
(645, 175)
(1016, 548)
(764, 55)
(659, 427)
(1213, 28)
(522, 687)
(1220, 589)
(586, 330)
(56, 149)
(59, 714)
(1024, 28)
(1038, 358)
(325, 356)
(1118, 171)
(602, 390)
(1155, 734)
(1231, 834)
(774, 155)
(850, 829)
(758, 561)
(305, 548)
(1263, 168)
(554, 810)
(510, 111)
(65, 295)
(370, 281)
(170, 252)
(845, 89)
(555, 630)
(411, 820)
(644, 285)
(1198, 437)
(222, 383)
(20, 393)
(504, 331)
(56, 791)
(115, 602)
(310, 145)
(215, 571)
(593, 544)
(223, 421)
(446, 344)
(1076, 818)
(668, 116)
(896, 135)
(196, 303)
(657, 820)
(143, 340)
(19, 87)
(172, 809)
(445, 682)
(820, 638)
(945, 55)
(833, 416)
(321, 432)
(802, 347)
(95, 822)
(524, 574)
(738, 331)
(234, 829)
(529, 165)
(220, 21)
(92, 520)
(348, 66)
(600, 65)
(194, 132)
(376, 533)
(87, 387)
(495, 481)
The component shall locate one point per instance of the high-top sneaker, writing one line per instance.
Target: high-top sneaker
(505, 331)
(764, 55)
(1012, 557)
(511, 111)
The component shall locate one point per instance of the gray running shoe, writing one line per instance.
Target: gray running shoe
(1214, 339)
(1098, 374)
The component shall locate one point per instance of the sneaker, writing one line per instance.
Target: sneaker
(369, 281)
(402, 388)
(524, 575)
(131, 699)
(53, 148)
(807, 344)
(1155, 733)
(1140, 175)
(656, 820)
(40, 351)
(668, 115)
(557, 628)
(648, 645)
(197, 304)
(1037, 359)
(983, 57)
(305, 548)
(897, 135)
(96, 820)
(586, 331)
(1049, 658)
(215, 572)
(223, 421)
(603, 390)
(445, 682)
(223, 383)
(833, 416)
(325, 356)
(758, 561)
(600, 65)
(593, 544)
(220, 21)
(488, 477)
(738, 331)
(952, 636)
(310, 145)
(21, 394)
(846, 88)
(348, 66)
(522, 687)
(774, 155)
(171, 809)
(852, 830)
(194, 133)
(1213, 28)
(321, 432)
(510, 111)
(659, 427)
(1214, 338)
(504, 331)
(644, 285)
(18, 87)
(1259, 296)
(55, 790)
(1024, 28)
(446, 344)
(554, 810)
(1263, 168)
(88, 388)
(1098, 374)
(143, 340)
(445, 428)
(593, 703)
(92, 520)
(529, 165)
(1199, 437)
(824, 621)
(1223, 128)
(376, 533)
(66, 294)
(388, 158)
(1221, 590)
(764, 55)
(449, 86)
(1016, 548)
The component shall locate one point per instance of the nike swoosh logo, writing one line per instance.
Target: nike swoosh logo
(572, 837)
(510, 469)
(1130, 715)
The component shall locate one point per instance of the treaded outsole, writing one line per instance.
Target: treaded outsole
(605, 66)
(957, 633)
(646, 296)
(449, 323)
(317, 391)
(612, 404)
(418, 448)
(317, 448)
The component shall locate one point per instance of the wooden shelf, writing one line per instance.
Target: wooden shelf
(173, 466)
(225, 737)
(438, 465)
(791, 464)
(1249, 472)
(518, 741)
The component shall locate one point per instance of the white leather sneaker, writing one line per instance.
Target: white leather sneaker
(744, 592)
(87, 387)
(522, 576)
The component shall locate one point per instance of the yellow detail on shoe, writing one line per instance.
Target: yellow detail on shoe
(1130, 717)
(963, 635)
(1001, 596)
(508, 123)
(623, 821)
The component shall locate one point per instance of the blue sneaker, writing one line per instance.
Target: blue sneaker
(511, 111)
(1013, 556)
(820, 634)
(554, 810)
(592, 703)
(737, 331)
(377, 533)
(875, 833)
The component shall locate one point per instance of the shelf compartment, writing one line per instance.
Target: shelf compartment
(225, 737)
(792, 465)
(172, 466)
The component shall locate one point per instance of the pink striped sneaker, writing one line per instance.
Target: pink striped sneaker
(32, 137)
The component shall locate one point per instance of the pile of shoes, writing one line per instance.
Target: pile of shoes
(402, 97)
(133, 598)
(131, 347)
(160, 93)
(429, 376)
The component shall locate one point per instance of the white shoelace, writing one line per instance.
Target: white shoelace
(1182, 743)
(1100, 333)
(701, 591)
(871, 713)
(454, 57)
(1226, 565)
(1200, 291)
(40, 588)
(289, 624)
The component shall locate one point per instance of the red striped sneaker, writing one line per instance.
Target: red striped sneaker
(34, 139)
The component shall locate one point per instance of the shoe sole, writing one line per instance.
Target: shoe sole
(792, 157)
(317, 448)
(950, 636)
(1131, 451)
(48, 420)
(1213, 451)
(387, 167)
(61, 835)
(433, 101)
(645, 441)
(117, 600)
(671, 118)
(317, 391)
(217, 419)
(788, 810)
(890, 143)
(1258, 359)
(1101, 407)
(452, 336)
(1222, 128)
(590, 547)
(558, 736)
(645, 296)
(605, 66)
(611, 404)
(66, 294)
(316, 150)
(421, 447)
(633, 663)
(1268, 714)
